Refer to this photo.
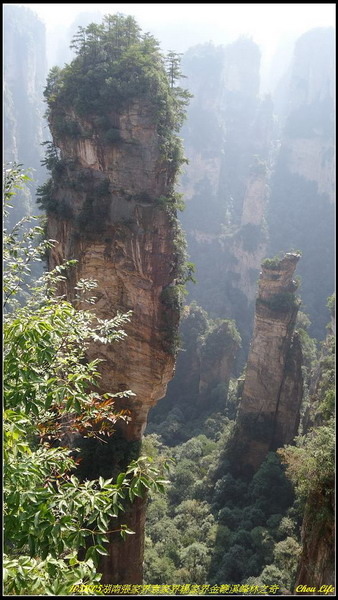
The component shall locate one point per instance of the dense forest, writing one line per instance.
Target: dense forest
(168, 379)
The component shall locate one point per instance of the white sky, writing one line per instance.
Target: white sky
(197, 23)
(263, 21)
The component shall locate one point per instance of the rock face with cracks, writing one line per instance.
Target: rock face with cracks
(268, 414)
(316, 568)
(107, 214)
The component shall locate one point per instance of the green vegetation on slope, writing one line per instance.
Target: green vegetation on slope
(212, 528)
(50, 399)
(310, 465)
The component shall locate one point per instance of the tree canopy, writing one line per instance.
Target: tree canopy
(115, 64)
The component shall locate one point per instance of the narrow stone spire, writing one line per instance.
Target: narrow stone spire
(268, 414)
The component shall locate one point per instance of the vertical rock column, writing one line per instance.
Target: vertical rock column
(106, 214)
(268, 414)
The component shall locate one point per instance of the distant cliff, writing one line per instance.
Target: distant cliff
(25, 70)
(206, 361)
(268, 415)
(257, 182)
(301, 210)
(111, 205)
(227, 139)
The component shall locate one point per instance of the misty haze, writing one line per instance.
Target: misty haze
(169, 305)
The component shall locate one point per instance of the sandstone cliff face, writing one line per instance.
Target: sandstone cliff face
(124, 241)
(216, 360)
(312, 76)
(105, 213)
(317, 562)
(24, 76)
(269, 409)
(124, 564)
(249, 246)
(254, 201)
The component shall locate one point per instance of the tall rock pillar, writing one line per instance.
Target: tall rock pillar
(268, 414)
(111, 206)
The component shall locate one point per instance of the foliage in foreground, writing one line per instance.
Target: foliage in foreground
(51, 398)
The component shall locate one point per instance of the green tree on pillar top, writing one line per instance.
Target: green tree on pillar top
(173, 64)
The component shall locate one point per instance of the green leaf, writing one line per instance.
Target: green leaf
(101, 550)
(160, 488)
(145, 482)
(102, 523)
(120, 479)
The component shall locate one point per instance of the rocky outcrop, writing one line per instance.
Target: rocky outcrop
(216, 359)
(312, 72)
(124, 564)
(254, 200)
(206, 362)
(316, 568)
(268, 414)
(104, 211)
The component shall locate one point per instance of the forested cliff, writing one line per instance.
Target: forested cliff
(224, 378)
